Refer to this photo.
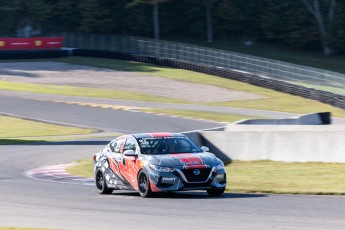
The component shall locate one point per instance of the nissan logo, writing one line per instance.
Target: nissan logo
(196, 172)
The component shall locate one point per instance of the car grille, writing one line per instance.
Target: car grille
(196, 185)
(191, 177)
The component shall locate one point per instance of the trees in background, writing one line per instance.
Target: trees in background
(304, 24)
(7, 10)
(324, 22)
(24, 18)
(94, 16)
(63, 15)
(155, 14)
(208, 4)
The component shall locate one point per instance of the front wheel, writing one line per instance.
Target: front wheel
(144, 184)
(215, 191)
(101, 184)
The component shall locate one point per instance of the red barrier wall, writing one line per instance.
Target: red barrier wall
(31, 43)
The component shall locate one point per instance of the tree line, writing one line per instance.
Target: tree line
(315, 25)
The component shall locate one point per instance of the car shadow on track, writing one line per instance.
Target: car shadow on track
(192, 195)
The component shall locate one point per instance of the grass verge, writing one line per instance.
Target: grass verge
(282, 177)
(84, 168)
(18, 131)
(269, 177)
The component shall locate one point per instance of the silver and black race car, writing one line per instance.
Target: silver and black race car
(157, 162)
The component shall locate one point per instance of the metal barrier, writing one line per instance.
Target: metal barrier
(278, 70)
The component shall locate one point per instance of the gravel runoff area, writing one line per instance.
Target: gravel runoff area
(56, 73)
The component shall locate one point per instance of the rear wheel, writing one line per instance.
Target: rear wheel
(101, 184)
(215, 191)
(144, 184)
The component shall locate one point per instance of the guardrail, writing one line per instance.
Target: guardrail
(219, 58)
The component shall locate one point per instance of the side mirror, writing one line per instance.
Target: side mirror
(205, 149)
(129, 152)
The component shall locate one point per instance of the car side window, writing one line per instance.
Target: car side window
(130, 144)
(113, 145)
(185, 145)
(117, 148)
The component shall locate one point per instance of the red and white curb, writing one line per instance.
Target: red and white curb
(57, 173)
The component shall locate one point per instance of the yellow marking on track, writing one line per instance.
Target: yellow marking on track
(95, 105)
(124, 108)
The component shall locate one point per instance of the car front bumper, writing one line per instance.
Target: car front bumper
(183, 179)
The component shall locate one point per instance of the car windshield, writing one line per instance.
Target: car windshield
(167, 145)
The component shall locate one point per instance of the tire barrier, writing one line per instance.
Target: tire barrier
(32, 54)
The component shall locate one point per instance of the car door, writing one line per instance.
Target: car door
(128, 166)
(115, 157)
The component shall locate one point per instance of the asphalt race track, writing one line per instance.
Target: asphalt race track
(26, 202)
(104, 119)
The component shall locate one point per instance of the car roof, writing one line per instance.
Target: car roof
(158, 134)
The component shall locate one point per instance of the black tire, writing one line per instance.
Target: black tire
(144, 184)
(215, 191)
(101, 184)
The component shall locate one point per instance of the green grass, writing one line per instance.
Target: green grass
(84, 168)
(290, 104)
(268, 177)
(18, 131)
(280, 177)
(220, 117)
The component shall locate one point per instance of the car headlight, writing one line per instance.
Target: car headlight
(219, 167)
(220, 177)
(161, 168)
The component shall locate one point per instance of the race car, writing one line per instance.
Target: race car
(157, 162)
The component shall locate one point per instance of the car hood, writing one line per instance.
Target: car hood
(185, 160)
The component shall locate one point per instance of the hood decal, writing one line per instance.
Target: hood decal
(190, 161)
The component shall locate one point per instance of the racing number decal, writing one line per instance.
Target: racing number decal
(189, 161)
